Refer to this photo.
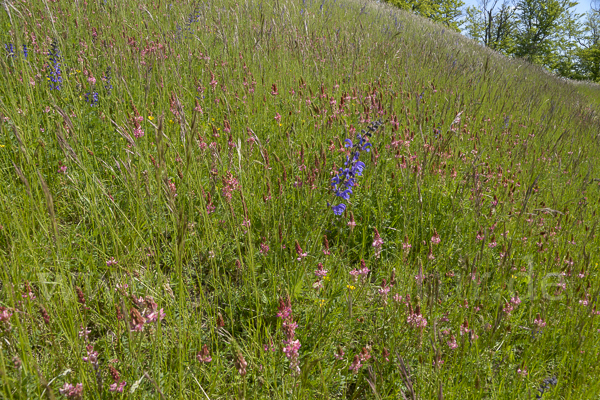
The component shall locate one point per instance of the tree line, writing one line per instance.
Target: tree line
(545, 32)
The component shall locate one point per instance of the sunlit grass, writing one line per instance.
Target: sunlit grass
(166, 221)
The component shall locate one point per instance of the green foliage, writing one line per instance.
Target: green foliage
(447, 12)
(153, 237)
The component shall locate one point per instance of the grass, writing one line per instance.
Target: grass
(151, 234)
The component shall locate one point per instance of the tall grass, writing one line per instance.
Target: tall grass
(166, 221)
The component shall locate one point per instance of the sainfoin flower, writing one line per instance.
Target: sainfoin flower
(72, 392)
(204, 355)
(118, 384)
(377, 243)
(291, 344)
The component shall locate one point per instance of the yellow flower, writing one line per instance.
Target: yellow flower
(150, 117)
(1, 145)
(171, 121)
(322, 303)
(350, 287)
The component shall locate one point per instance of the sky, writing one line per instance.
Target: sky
(582, 7)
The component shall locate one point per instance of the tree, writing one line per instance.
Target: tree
(493, 24)
(447, 12)
(543, 26)
(589, 53)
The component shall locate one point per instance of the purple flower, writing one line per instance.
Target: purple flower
(339, 209)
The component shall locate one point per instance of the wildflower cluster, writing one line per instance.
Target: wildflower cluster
(150, 313)
(55, 73)
(204, 355)
(291, 344)
(362, 272)
(345, 179)
(72, 392)
(106, 79)
(5, 315)
(359, 359)
(118, 384)
(136, 120)
(545, 386)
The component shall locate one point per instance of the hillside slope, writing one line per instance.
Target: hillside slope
(287, 199)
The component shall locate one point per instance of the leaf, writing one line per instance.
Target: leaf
(136, 384)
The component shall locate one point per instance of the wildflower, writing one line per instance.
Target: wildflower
(92, 356)
(277, 117)
(351, 222)
(118, 384)
(110, 262)
(320, 271)
(62, 169)
(264, 247)
(299, 252)
(55, 73)
(539, 321)
(385, 354)
(522, 372)
(452, 343)
(384, 290)
(464, 328)
(365, 354)
(435, 239)
(92, 98)
(72, 392)
(339, 210)
(81, 297)
(137, 321)
(356, 364)
(204, 355)
(406, 246)
(326, 244)
(339, 354)
(84, 333)
(5, 315)
(291, 344)
(377, 243)
(44, 315)
(220, 321)
(213, 81)
(172, 188)
(107, 78)
(241, 364)
(274, 91)
(516, 300)
(416, 320)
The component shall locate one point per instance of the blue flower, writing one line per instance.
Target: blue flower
(339, 209)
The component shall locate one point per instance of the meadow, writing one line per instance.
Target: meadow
(289, 199)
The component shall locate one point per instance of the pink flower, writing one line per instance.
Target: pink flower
(72, 392)
(356, 364)
(539, 321)
(320, 271)
(377, 240)
(452, 343)
(264, 247)
(204, 355)
(435, 239)
(117, 387)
